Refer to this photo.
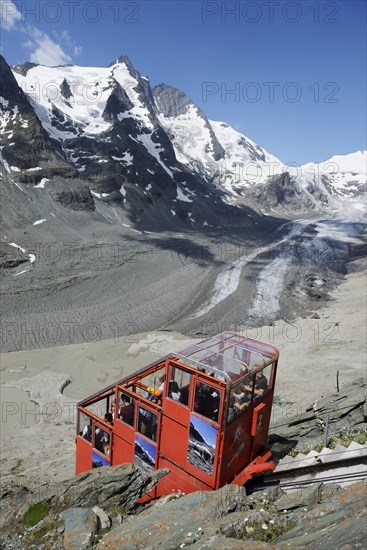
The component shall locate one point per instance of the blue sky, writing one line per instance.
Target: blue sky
(206, 430)
(296, 69)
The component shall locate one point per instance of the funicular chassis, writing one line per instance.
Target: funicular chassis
(201, 452)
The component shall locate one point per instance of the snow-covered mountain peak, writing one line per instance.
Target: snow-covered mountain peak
(63, 117)
(352, 163)
(129, 142)
(124, 59)
(213, 149)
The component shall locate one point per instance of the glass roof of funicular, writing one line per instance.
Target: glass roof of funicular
(228, 354)
(222, 354)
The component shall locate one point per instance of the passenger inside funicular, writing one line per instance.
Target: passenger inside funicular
(162, 380)
(87, 431)
(242, 393)
(207, 401)
(155, 395)
(261, 383)
(102, 441)
(126, 410)
(174, 391)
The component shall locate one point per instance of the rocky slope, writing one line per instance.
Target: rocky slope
(98, 509)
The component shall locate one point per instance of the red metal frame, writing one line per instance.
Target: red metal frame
(201, 453)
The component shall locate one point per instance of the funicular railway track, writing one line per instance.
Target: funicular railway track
(342, 467)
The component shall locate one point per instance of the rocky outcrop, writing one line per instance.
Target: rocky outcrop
(284, 194)
(81, 526)
(343, 411)
(337, 522)
(229, 518)
(318, 517)
(73, 194)
(117, 487)
(177, 521)
(11, 257)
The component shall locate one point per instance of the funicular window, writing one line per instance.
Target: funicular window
(262, 381)
(202, 444)
(255, 360)
(126, 408)
(207, 401)
(101, 440)
(147, 423)
(145, 454)
(103, 408)
(179, 385)
(239, 398)
(248, 390)
(153, 384)
(85, 426)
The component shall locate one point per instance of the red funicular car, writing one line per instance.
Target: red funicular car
(203, 413)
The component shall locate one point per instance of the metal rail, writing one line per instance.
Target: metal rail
(332, 472)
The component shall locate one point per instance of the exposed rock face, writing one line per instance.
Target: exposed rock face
(11, 257)
(338, 522)
(282, 193)
(22, 132)
(24, 68)
(228, 518)
(81, 525)
(65, 89)
(74, 195)
(182, 521)
(318, 517)
(346, 410)
(117, 486)
(172, 102)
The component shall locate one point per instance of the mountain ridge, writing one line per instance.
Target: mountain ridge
(153, 151)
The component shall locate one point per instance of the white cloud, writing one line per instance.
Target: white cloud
(29, 44)
(9, 14)
(66, 36)
(78, 50)
(47, 52)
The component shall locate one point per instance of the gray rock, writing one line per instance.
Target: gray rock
(336, 523)
(346, 410)
(315, 316)
(107, 487)
(81, 526)
(303, 497)
(11, 257)
(73, 194)
(183, 520)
